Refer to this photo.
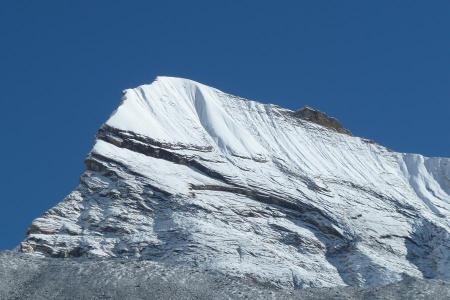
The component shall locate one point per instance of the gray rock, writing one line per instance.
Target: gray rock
(29, 277)
(318, 117)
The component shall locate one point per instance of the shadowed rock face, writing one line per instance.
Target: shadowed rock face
(185, 174)
(318, 117)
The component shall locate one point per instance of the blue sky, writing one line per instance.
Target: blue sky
(381, 67)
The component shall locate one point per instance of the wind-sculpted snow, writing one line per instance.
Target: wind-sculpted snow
(186, 174)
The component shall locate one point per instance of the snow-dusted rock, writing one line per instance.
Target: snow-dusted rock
(184, 173)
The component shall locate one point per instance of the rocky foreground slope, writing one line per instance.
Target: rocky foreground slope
(30, 277)
(187, 175)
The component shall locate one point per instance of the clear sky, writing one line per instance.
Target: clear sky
(381, 67)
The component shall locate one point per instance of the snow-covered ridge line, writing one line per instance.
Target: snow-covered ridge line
(203, 114)
(186, 174)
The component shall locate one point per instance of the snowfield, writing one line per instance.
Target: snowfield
(185, 174)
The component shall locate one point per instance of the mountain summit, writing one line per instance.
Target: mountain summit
(186, 174)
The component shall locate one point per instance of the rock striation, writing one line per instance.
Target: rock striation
(185, 174)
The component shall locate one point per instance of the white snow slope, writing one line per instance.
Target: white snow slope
(184, 173)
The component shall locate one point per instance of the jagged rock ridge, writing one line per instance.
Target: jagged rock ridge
(183, 173)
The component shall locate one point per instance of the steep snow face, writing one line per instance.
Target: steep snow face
(184, 112)
(185, 173)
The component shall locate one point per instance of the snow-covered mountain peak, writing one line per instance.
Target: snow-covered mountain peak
(182, 111)
(184, 173)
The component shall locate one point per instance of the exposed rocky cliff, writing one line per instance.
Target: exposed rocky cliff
(185, 174)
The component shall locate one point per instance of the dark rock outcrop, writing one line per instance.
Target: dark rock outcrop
(310, 114)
